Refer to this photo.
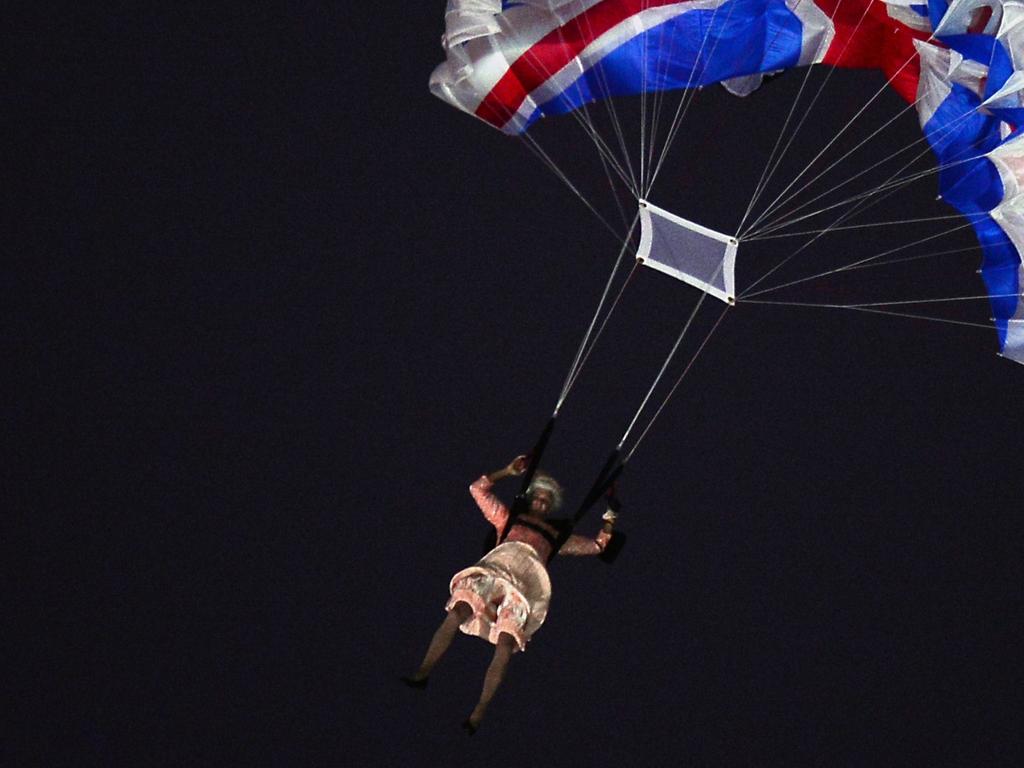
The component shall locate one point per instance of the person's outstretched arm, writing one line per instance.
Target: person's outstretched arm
(581, 545)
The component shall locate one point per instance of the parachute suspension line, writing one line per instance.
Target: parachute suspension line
(607, 154)
(757, 187)
(801, 249)
(889, 262)
(849, 124)
(619, 133)
(946, 130)
(894, 184)
(842, 218)
(749, 293)
(664, 365)
(586, 123)
(689, 94)
(869, 259)
(780, 221)
(612, 113)
(649, 125)
(850, 266)
(864, 226)
(814, 100)
(600, 330)
(675, 386)
(580, 358)
(614, 192)
(762, 182)
(905, 302)
(987, 327)
(659, 92)
(975, 248)
(869, 310)
(604, 150)
(643, 102)
(776, 204)
(546, 159)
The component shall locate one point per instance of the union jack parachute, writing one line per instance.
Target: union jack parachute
(960, 65)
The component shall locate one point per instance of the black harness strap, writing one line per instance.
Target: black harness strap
(519, 504)
(605, 479)
(535, 454)
(550, 536)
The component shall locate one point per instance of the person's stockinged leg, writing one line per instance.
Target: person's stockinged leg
(440, 643)
(503, 651)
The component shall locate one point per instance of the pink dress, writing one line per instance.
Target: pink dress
(509, 589)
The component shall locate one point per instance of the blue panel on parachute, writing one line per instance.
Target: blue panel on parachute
(666, 56)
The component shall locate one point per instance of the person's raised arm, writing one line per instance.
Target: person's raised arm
(515, 468)
(492, 507)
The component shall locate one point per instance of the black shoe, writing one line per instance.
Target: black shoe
(412, 682)
(469, 728)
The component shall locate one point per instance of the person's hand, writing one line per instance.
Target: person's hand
(517, 466)
(609, 518)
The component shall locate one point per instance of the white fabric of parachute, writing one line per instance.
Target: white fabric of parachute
(474, 63)
(940, 68)
(1008, 159)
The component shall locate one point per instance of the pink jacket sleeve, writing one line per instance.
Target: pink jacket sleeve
(492, 507)
(581, 545)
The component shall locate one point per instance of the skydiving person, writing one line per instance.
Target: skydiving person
(504, 598)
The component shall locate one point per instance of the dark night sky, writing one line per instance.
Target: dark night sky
(275, 306)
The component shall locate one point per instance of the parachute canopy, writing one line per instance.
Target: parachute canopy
(961, 64)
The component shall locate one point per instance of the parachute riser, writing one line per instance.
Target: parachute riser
(605, 479)
(520, 501)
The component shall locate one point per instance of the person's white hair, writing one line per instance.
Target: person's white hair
(543, 481)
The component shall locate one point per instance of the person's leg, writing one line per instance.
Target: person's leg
(440, 643)
(503, 651)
